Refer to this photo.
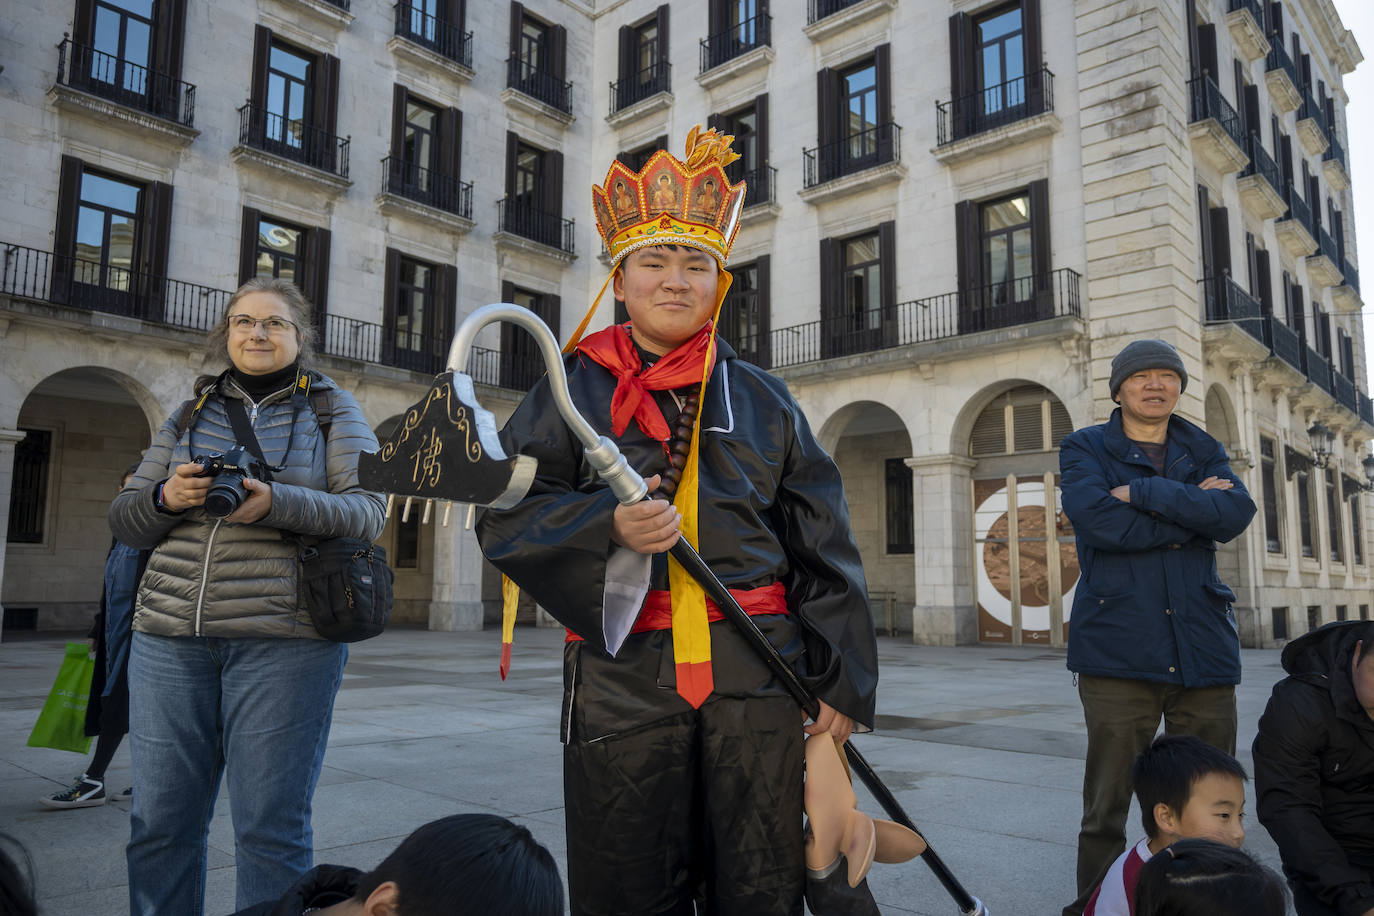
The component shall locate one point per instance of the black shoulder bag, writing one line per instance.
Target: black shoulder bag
(345, 583)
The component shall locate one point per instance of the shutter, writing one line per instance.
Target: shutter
(517, 22)
(663, 41)
(1205, 234)
(762, 282)
(1207, 50)
(1265, 291)
(962, 81)
(83, 23)
(553, 189)
(390, 277)
(317, 272)
(1238, 77)
(554, 316)
(327, 99)
(64, 232)
(989, 434)
(1189, 18)
(969, 263)
(829, 126)
(831, 323)
(1251, 265)
(169, 31)
(887, 280)
(156, 230)
(396, 173)
(761, 138)
(512, 149)
(882, 66)
(451, 149)
(262, 47)
(1060, 423)
(1221, 241)
(1041, 266)
(248, 245)
(627, 56)
(1276, 20)
(457, 15)
(446, 315)
(558, 52)
(1253, 123)
(1034, 60)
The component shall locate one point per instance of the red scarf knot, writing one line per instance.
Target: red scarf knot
(613, 348)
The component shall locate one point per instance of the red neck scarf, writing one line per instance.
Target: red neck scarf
(613, 348)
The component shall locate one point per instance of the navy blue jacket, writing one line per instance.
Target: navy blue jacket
(1149, 605)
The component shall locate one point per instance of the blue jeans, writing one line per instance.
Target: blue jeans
(256, 708)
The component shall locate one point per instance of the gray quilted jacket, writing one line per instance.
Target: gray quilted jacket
(207, 577)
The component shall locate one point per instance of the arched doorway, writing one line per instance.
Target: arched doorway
(1219, 417)
(1025, 561)
(871, 446)
(83, 427)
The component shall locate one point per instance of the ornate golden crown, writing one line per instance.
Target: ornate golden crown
(671, 201)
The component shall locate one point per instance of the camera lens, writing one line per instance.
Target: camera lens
(224, 496)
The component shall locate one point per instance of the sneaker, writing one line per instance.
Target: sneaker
(84, 793)
(122, 794)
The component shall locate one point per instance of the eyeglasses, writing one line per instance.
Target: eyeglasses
(245, 324)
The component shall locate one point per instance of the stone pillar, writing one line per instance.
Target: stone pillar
(8, 439)
(1138, 197)
(944, 613)
(456, 596)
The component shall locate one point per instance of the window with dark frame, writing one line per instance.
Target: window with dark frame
(1314, 616)
(858, 292)
(538, 59)
(289, 82)
(1364, 612)
(293, 106)
(744, 318)
(426, 153)
(417, 312)
(1001, 62)
(29, 487)
(130, 51)
(643, 64)
(279, 250)
(408, 542)
(854, 110)
(272, 247)
(996, 74)
(1333, 517)
(1342, 612)
(749, 126)
(734, 28)
(1280, 615)
(900, 507)
(1003, 254)
(521, 364)
(635, 159)
(1306, 527)
(1007, 258)
(1269, 477)
(107, 227)
(122, 42)
(1356, 525)
(533, 206)
(437, 25)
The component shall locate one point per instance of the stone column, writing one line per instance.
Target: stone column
(8, 439)
(944, 613)
(456, 596)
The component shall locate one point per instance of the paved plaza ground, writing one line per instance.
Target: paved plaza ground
(983, 746)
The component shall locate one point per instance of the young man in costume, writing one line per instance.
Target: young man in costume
(683, 755)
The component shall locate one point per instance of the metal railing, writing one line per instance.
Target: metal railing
(539, 84)
(536, 225)
(426, 186)
(1023, 301)
(1227, 301)
(819, 9)
(443, 38)
(1262, 164)
(639, 86)
(1334, 151)
(1208, 102)
(341, 4)
(739, 38)
(1326, 245)
(1278, 59)
(1343, 390)
(1366, 410)
(268, 131)
(862, 150)
(1253, 6)
(995, 106)
(1351, 274)
(1283, 342)
(760, 184)
(124, 82)
(95, 287)
(1317, 368)
(1310, 109)
(1297, 207)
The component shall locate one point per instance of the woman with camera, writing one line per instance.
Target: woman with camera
(226, 672)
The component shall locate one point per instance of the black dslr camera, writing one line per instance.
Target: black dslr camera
(227, 492)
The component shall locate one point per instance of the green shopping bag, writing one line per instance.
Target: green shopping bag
(62, 723)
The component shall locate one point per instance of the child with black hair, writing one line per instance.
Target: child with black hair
(466, 863)
(1204, 878)
(1186, 788)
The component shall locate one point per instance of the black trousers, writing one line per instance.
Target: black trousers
(699, 812)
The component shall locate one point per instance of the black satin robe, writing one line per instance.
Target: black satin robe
(772, 508)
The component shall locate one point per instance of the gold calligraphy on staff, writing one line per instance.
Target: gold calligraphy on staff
(427, 467)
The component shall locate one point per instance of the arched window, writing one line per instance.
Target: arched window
(1024, 419)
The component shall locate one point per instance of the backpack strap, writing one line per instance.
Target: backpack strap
(324, 411)
(190, 410)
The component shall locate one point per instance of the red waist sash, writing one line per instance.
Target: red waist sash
(657, 612)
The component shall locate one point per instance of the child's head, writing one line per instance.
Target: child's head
(486, 862)
(1188, 788)
(1204, 878)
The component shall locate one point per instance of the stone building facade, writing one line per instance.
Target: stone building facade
(958, 213)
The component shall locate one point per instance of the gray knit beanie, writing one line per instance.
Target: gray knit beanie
(1146, 354)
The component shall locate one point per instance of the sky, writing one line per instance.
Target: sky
(1358, 16)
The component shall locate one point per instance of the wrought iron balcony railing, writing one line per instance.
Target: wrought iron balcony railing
(1208, 102)
(1351, 274)
(1326, 245)
(1278, 59)
(1366, 410)
(443, 38)
(1297, 207)
(93, 286)
(539, 84)
(1022, 301)
(1311, 109)
(125, 83)
(1334, 151)
(760, 184)
(445, 192)
(1262, 164)
(1317, 368)
(739, 38)
(1282, 341)
(536, 225)
(1225, 301)
(639, 86)
(862, 150)
(1343, 390)
(819, 9)
(996, 106)
(268, 131)
(1252, 5)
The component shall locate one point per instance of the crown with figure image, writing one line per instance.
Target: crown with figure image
(672, 201)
